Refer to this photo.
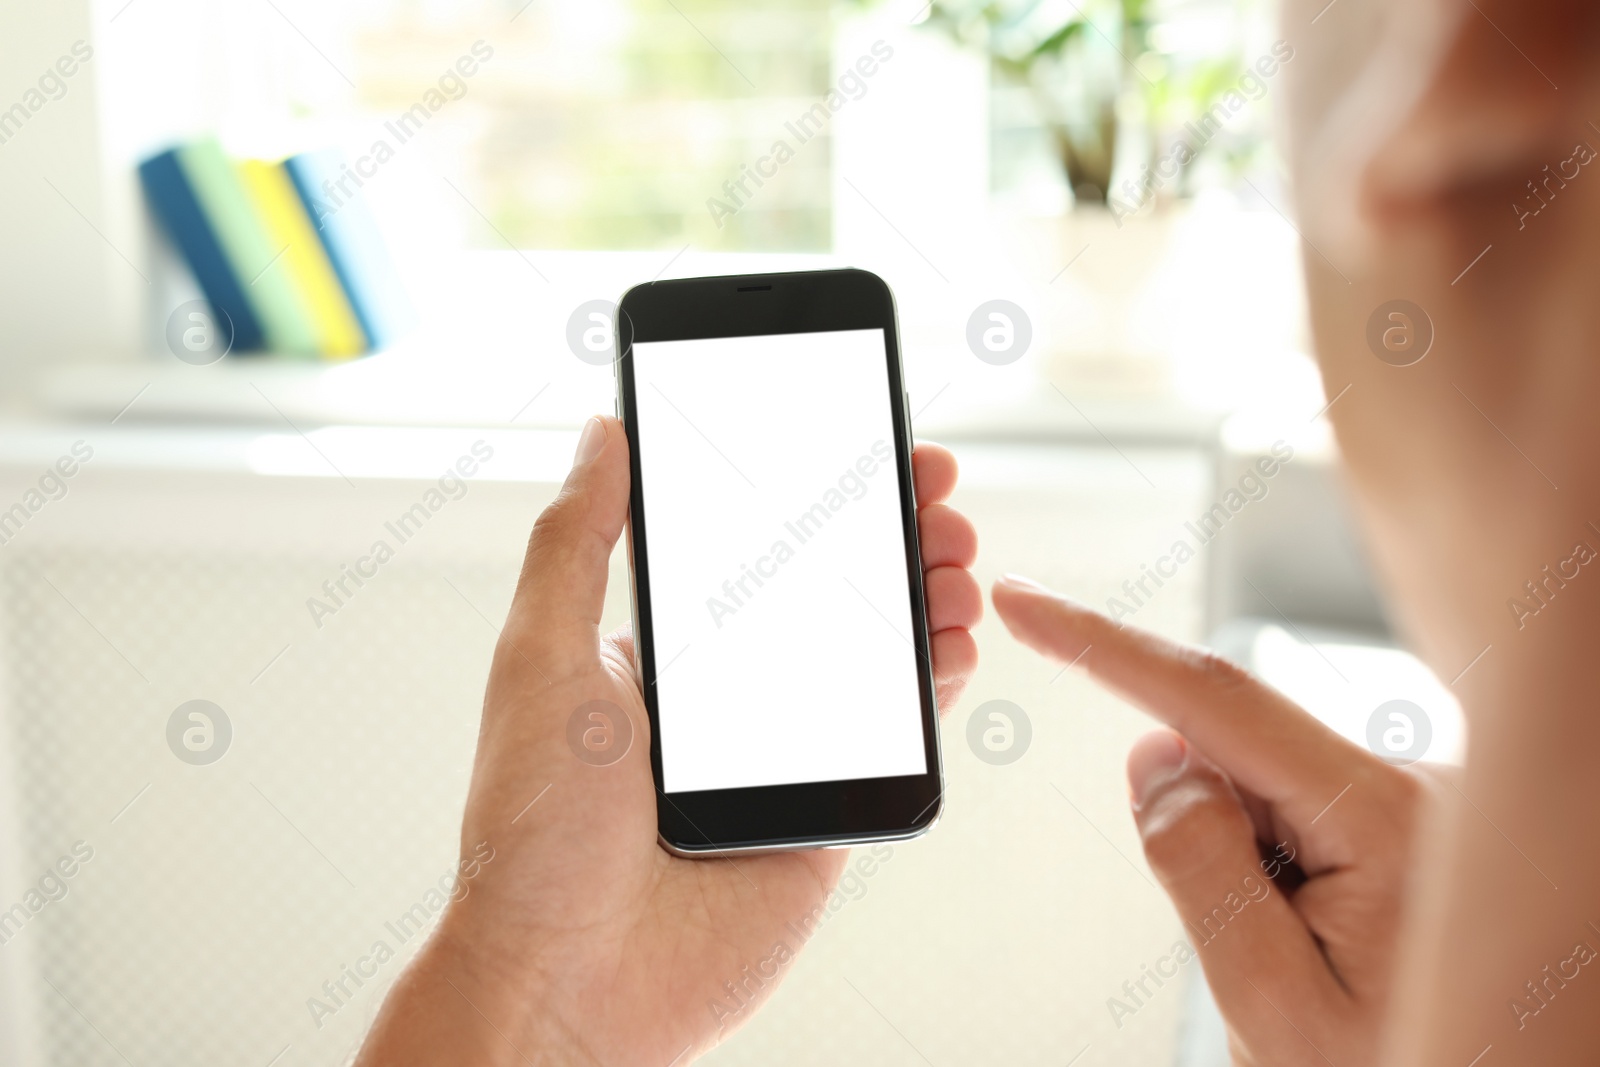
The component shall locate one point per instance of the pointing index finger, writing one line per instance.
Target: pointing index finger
(1260, 738)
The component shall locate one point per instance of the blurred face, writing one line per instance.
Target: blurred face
(1454, 460)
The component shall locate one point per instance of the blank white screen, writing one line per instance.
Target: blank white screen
(783, 648)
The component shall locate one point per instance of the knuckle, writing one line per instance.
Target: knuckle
(1410, 790)
(1399, 797)
(555, 515)
(1218, 671)
(548, 536)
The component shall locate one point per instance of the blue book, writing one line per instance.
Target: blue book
(178, 208)
(350, 236)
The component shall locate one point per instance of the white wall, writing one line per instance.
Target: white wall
(64, 292)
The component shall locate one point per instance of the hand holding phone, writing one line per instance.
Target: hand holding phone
(584, 940)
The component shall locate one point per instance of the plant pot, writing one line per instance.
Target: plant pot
(1107, 323)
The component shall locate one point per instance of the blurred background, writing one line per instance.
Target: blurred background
(1103, 169)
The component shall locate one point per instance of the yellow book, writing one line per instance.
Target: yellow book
(333, 321)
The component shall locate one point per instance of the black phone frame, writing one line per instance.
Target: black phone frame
(810, 814)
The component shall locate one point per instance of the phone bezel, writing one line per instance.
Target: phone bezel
(810, 814)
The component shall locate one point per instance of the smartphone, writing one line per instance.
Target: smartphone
(781, 637)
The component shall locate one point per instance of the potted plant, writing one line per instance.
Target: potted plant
(1110, 87)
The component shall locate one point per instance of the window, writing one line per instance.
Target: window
(604, 142)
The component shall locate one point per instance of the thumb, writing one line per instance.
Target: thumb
(555, 614)
(1259, 958)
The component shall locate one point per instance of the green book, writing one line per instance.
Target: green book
(268, 285)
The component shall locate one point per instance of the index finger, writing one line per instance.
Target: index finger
(1260, 738)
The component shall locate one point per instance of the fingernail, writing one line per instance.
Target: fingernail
(591, 442)
(1023, 584)
(1154, 757)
